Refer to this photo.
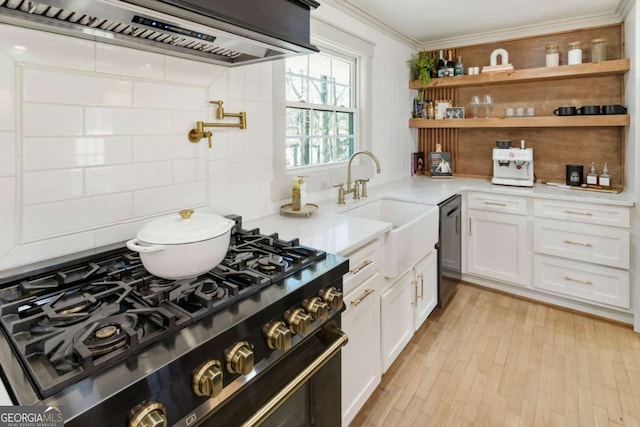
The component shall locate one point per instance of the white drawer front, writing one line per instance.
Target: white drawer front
(596, 284)
(598, 244)
(497, 203)
(363, 263)
(589, 213)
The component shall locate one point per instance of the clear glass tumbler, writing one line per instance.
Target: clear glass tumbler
(475, 104)
(487, 103)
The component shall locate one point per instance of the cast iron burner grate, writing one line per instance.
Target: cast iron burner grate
(78, 332)
(69, 321)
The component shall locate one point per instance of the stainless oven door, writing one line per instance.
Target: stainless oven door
(302, 389)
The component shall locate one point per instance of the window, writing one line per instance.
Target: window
(320, 110)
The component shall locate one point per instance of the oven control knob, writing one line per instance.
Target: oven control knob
(298, 320)
(239, 358)
(318, 309)
(207, 381)
(278, 335)
(333, 297)
(149, 414)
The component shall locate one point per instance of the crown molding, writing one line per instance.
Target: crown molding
(347, 7)
(365, 17)
(624, 7)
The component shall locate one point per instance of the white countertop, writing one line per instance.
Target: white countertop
(326, 229)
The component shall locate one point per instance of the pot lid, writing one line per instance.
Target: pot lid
(185, 227)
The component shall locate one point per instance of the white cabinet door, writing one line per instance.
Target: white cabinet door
(425, 296)
(498, 247)
(360, 357)
(397, 318)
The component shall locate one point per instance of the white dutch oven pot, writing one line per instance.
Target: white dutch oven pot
(183, 246)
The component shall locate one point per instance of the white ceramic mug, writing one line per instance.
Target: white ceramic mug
(508, 112)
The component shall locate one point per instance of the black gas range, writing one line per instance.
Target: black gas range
(116, 346)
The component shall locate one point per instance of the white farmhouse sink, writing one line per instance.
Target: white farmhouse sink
(414, 233)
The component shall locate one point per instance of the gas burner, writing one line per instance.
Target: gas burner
(271, 264)
(106, 335)
(157, 284)
(204, 295)
(209, 288)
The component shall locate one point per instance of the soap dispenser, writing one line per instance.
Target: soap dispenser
(298, 193)
(605, 180)
(592, 176)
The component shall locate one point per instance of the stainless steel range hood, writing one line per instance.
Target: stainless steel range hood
(224, 32)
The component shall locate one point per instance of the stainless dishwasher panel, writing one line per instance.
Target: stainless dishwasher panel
(449, 248)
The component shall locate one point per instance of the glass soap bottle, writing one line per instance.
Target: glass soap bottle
(592, 176)
(604, 180)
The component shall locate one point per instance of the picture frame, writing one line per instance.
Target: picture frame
(417, 163)
(440, 165)
(454, 113)
(441, 108)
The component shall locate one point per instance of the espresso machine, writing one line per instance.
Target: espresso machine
(513, 166)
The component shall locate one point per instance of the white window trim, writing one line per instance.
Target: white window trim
(322, 177)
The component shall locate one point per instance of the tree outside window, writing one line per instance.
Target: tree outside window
(320, 116)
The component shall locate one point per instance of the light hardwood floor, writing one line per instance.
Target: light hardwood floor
(489, 359)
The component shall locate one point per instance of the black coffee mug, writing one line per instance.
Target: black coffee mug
(614, 109)
(565, 111)
(589, 110)
(574, 175)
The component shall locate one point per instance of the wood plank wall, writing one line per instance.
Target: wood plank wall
(553, 147)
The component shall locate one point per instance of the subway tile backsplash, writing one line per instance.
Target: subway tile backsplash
(52, 186)
(93, 142)
(88, 89)
(50, 152)
(52, 119)
(7, 154)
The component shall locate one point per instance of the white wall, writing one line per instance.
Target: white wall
(93, 138)
(632, 155)
(93, 142)
(390, 100)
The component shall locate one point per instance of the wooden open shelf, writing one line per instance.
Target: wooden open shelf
(523, 122)
(606, 68)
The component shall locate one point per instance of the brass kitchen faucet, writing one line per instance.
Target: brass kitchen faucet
(196, 134)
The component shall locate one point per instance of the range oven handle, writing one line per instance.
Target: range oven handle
(340, 339)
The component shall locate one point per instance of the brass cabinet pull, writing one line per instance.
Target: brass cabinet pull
(361, 267)
(495, 204)
(366, 293)
(288, 390)
(421, 285)
(586, 282)
(571, 242)
(578, 213)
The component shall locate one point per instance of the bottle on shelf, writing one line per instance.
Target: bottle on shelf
(451, 66)
(592, 176)
(441, 66)
(459, 68)
(604, 180)
(430, 111)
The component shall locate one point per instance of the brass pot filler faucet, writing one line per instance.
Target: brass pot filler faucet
(196, 134)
